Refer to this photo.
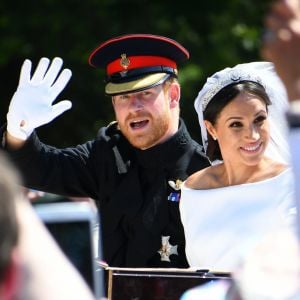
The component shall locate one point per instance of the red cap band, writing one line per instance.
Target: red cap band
(134, 62)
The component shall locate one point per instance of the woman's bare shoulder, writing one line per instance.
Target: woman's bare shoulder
(276, 169)
(203, 179)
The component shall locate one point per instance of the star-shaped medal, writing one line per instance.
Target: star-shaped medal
(166, 249)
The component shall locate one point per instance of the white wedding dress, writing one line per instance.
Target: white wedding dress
(221, 225)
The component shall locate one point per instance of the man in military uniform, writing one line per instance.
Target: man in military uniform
(134, 167)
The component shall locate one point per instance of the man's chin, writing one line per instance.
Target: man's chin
(140, 141)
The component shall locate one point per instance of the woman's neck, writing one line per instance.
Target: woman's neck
(234, 174)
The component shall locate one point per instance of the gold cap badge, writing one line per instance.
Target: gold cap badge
(124, 62)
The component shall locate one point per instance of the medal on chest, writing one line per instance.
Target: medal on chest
(174, 196)
(167, 249)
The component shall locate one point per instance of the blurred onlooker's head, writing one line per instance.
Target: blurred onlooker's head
(9, 191)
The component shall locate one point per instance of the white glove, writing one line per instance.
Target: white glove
(31, 105)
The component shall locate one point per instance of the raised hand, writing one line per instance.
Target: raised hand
(32, 103)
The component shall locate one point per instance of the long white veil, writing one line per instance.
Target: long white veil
(263, 73)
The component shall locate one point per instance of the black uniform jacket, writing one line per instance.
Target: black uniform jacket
(138, 207)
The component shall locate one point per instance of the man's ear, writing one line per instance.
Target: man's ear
(211, 129)
(11, 281)
(174, 94)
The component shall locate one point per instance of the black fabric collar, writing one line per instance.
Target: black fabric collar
(166, 153)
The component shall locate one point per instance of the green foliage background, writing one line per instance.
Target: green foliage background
(217, 33)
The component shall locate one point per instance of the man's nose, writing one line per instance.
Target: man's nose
(137, 102)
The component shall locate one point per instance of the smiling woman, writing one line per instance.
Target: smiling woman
(237, 113)
(226, 209)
